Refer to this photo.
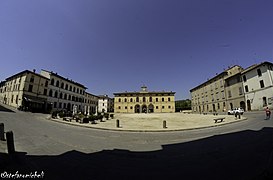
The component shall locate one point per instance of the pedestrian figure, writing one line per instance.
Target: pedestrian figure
(267, 113)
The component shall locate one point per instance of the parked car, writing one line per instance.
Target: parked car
(236, 111)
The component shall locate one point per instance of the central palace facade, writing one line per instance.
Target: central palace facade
(144, 102)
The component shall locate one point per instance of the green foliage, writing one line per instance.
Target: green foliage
(106, 115)
(182, 105)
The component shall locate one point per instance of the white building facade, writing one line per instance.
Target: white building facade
(105, 104)
(258, 86)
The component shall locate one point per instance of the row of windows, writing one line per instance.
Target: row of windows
(66, 87)
(259, 73)
(131, 107)
(144, 99)
(261, 86)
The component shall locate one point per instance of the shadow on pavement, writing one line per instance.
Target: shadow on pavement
(2, 108)
(240, 155)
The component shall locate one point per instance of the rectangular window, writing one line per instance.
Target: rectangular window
(30, 87)
(32, 79)
(262, 84)
(240, 90)
(244, 78)
(55, 104)
(229, 94)
(169, 107)
(125, 107)
(169, 99)
(16, 99)
(45, 92)
(119, 107)
(156, 107)
(60, 105)
(162, 99)
(46, 83)
(156, 99)
(12, 99)
(259, 72)
(131, 107)
(246, 88)
(163, 107)
(223, 95)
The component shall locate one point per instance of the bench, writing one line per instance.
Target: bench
(219, 119)
(67, 119)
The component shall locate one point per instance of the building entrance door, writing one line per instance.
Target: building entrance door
(144, 109)
(248, 105)
(137, 108)
(151, 108)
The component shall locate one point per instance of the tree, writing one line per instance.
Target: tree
(181, 105)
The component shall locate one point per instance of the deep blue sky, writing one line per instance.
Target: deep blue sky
(118, 45)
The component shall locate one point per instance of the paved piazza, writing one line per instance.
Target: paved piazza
(238, 150)
(154, 121)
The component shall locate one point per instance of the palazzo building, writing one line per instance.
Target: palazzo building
(144, 102)
(220, 93)
(26, 90)
(105, 104)
(258, 86)
(64, 93)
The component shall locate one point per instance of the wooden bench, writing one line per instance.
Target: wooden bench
(219, 119)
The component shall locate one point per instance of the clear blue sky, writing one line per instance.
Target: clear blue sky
(118, 45)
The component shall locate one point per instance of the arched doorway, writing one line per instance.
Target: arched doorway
(213, 108)
(248, 105)
(243, 105)
(69, 107)
(151, 108)
(137, 108)
(144, 108)
(231, 106)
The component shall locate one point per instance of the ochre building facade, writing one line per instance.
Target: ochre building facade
(144, 102)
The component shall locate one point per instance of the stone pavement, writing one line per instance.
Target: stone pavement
(154, 122)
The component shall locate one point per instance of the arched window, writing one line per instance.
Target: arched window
(131, 100)
(73, 98)
(70, 88)
(77, 90)
(50, 93)
(66, 87)
(56, 94)
(137, 99)
(52, 82)
(65, 96)
(144, 99)
(74, 89)
(61, 95)
(151, 99)
(62, 85)
(57, 84)
(69, 97)
(119, 100)
(125, 100)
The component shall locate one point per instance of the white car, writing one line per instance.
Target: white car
(236, 111)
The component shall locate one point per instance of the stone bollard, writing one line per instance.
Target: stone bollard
(117, 124)
(10, 142)
(2, 132)
(164, 124)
